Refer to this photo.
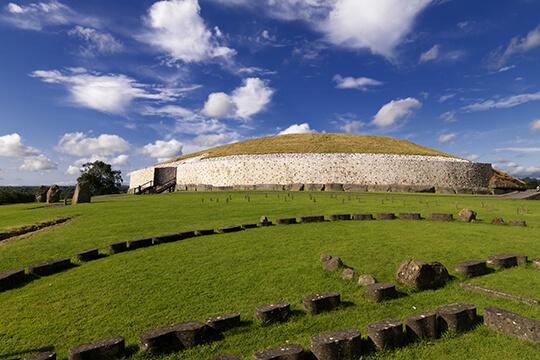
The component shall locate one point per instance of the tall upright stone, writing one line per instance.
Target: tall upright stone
(41, 194)
(53, 195)
(82, 193)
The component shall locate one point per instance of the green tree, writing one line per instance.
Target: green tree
(101, 177)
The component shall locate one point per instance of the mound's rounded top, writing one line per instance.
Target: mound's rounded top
(317, 143)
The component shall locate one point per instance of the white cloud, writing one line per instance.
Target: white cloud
(37, 163)
(11, 146)
(443, 98)
(512, 165)
(500, 56)
(211, 140)
(176, 27)
(219, 105)
(96, 43)
(297, 129)
(449, 116)
(361, 83)
(375, 25)
(535, 125)
(36, 16)
(446, 138)
(473, 157)
(245, 101)
(163, 150)
(352, 127)
(525, 150)
(431, 54)
(522, 171)
(78, 144)
(112, 93)
(503, 103)
(73, 170)
(396, 110)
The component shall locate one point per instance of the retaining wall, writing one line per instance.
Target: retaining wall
(358, 169)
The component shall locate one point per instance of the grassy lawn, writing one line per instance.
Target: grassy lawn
(128, 293)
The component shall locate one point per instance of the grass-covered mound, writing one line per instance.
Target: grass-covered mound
(129, 293)
(318, 143)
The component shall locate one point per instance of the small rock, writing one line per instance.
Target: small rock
(326, 257)
(423, 275)
(366, 279)
(498, 221)
(348, 274)
(333, 264)
(467, 215)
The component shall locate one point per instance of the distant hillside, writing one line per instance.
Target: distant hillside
(318, 143)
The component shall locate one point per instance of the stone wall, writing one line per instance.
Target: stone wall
(360, 169)
(140, 177)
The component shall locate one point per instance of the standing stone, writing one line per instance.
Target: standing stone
(467, 215)
(41, 194)
(82, 193)
(53, 195)
(423, 275)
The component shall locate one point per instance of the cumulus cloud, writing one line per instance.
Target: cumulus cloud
(211, 140)
(297, 129)
(111, 93)
(503, 103)
(446, 138)
(522, 171)
(11, 146)
(120, 160)
(176, 27)
(163, 150)
(245, 101)
(535, 125)
(37, 163)
(395, 111)
(375, 25)
(361, 83)
(219, 105)
(72, 170)
(500, 56)
(95, 42)
(78, 144)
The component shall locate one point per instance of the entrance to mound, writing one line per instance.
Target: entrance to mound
(164, 179)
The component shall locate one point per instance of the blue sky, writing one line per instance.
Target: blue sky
(133, 83)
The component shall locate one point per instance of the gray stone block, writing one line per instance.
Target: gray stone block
(204, 187)
(381, 291)
(512, 324)
(521, 223)
(243, 187)
(355, 187)
(441, 217)
(285, 352)
(104, 349)
(12, 278)
(423, 275)
(341, 344)
(349, 274)
(386, 334)
(269, 187)
(498, 221)
(409, 216)
(459, 317)
(48, 355)
(225, 357)
(175, 337)
(421, 326)
(229, 229)
(294, 187)
(49, 267)
(140, 243)
(313, 187)
(379, 188)
(321, 302)
(88, 255)
(204, 232)
(186, 234)
(362, 216)
(333, 187)
(165, 239)
(502, 260)
(444, 190)
(249, 226)
(311, 218)
(385, 216)
(500, 294)
(285, 221)
(273, 312)
(335, 217)
(471, 268)
(223, 322)
(117, 247)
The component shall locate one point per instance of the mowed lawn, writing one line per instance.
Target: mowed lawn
(128, 293)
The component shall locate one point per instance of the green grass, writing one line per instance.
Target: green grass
(318, 143)
(128, 293)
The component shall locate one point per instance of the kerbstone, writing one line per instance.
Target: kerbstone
(341, 344)
(140, 243)
(459, 317)
(285, 221)
(335, 217)
(204, 232)
(225, 357)
(285, 352)
(9, 279)
(441, 217)
(512, 323)
(421, 326)
(381, 291)
(423, 275)
(165, 239)
(49, 267)
(223, 322)
(362, 216)
(88, 255)
(386, 334)
(175, 337)
(321, 302)
(229, 229)
(471, 268)
(312, 218)
(385, 216)
(117, 247)
(104, 349)
(409, 216)
(273, 312)
(520, 223)
(502, 260)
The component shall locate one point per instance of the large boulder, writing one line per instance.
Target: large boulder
(41, 194)
(467, 215)
(53, 195)
(82, 193)
(422, 275)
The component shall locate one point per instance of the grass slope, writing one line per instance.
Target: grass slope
(128, 293)
(318, 143)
